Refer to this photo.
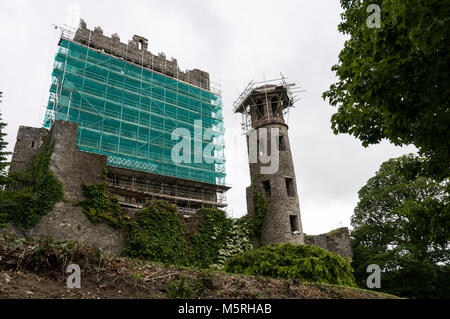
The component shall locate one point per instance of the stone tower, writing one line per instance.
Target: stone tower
(270, 161)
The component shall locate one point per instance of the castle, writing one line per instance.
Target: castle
(114, 106)
(126, 103)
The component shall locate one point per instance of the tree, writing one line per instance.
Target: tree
(402, 224)
(3, 154)
(393, 81)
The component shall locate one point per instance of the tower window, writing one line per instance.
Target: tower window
(266, 186)
(281, 144)
(290, 186)
(140, 45)
(274, 103)
(32, 144)
(259, 109)
(293, 219)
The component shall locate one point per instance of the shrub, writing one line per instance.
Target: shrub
(288, 261)
(179, 289)
(213, 234)
(157, 234)
(19, 207)
(26, 206)
(238, 241)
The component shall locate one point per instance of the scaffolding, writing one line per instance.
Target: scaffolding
(244, 101)
(128, 112)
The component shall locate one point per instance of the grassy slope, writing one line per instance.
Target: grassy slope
(36, 270)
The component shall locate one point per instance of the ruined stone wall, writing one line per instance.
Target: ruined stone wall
(136, 51)
(73, 167)
(70, 165)
(336, 241)
(28, 142)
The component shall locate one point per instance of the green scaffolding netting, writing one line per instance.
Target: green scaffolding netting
(129, 113)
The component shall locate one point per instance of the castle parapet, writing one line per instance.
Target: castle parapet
(136, 51)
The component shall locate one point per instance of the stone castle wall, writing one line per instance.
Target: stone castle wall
(336, 241)
(28, 142)
(136, 51)
(73, 168)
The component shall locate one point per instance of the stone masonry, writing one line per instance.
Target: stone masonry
(73, 167)
(28, 142)
(263, 107)
(282, 222)
(336, 241)
(136, 51)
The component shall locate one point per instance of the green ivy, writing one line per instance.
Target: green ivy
(179, 289)
(288, 261)
(18, 207)
(157, 234)
(28, 205)
(213, 234)
(238, 241)
(49, 190)
(100, 207)
(255, 223)
(4, 218)
(188, 288)
(220, 238)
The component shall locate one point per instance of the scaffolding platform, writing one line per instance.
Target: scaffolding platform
(128, 112)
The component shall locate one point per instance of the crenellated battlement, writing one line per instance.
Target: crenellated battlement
(136, 51)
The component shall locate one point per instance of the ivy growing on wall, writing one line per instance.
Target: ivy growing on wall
(49, 190)
(157, 234)
(28, 205)
(218, 239)
(254, 223)
(212, 236)
(238, 241)
(100, 207)
(260, 214)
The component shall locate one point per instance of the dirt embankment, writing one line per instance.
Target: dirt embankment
(36, 269)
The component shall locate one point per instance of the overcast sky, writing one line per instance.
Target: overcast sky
(235, 41)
